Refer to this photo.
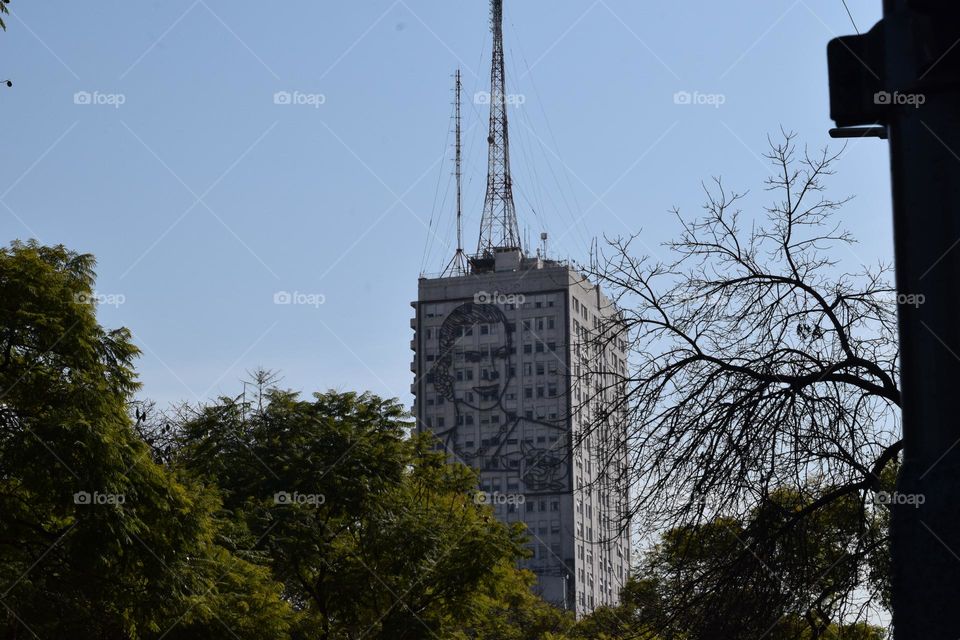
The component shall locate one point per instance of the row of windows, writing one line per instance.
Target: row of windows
(495, 441)
(539, 323)
(544, 528)
(542, 552)
(550, 367)
(588, 578)
(549, 391)
(540, 301)
(487, 352)
(470, 419)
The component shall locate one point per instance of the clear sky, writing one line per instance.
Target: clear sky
(149, 134)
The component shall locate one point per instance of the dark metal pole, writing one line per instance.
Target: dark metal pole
(902, 80)
(924, 132)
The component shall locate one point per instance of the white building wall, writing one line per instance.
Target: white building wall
(504, 367)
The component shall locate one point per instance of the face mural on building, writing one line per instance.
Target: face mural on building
(512, 447)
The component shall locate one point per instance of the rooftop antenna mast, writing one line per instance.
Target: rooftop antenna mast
(498, 229)
(458, 265)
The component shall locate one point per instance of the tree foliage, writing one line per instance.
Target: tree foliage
(729, 578)
(758, 577)
(119, 522)
(97, 541)
(370, 532)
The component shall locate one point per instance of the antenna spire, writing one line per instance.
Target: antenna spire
(498, 229)
(458, 264)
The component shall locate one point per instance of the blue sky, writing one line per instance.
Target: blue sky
(148, 134)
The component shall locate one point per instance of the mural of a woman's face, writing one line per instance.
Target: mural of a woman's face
(541, 468)
(495, 358)
(488, 393)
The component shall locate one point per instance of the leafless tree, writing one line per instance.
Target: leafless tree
(758, 363)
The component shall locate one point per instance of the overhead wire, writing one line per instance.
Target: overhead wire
(573, 212)
(851, 16)
(428, 243)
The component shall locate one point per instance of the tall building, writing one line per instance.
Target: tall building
(518, 364)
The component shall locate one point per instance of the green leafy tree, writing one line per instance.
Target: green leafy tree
(371, 532)
(96, 540)
(772, 575)
(640, 612)
(507, 609)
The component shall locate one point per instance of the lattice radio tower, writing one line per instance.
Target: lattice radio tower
(458, 265)
(498, 229)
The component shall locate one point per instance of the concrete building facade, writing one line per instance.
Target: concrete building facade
(512, 381)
